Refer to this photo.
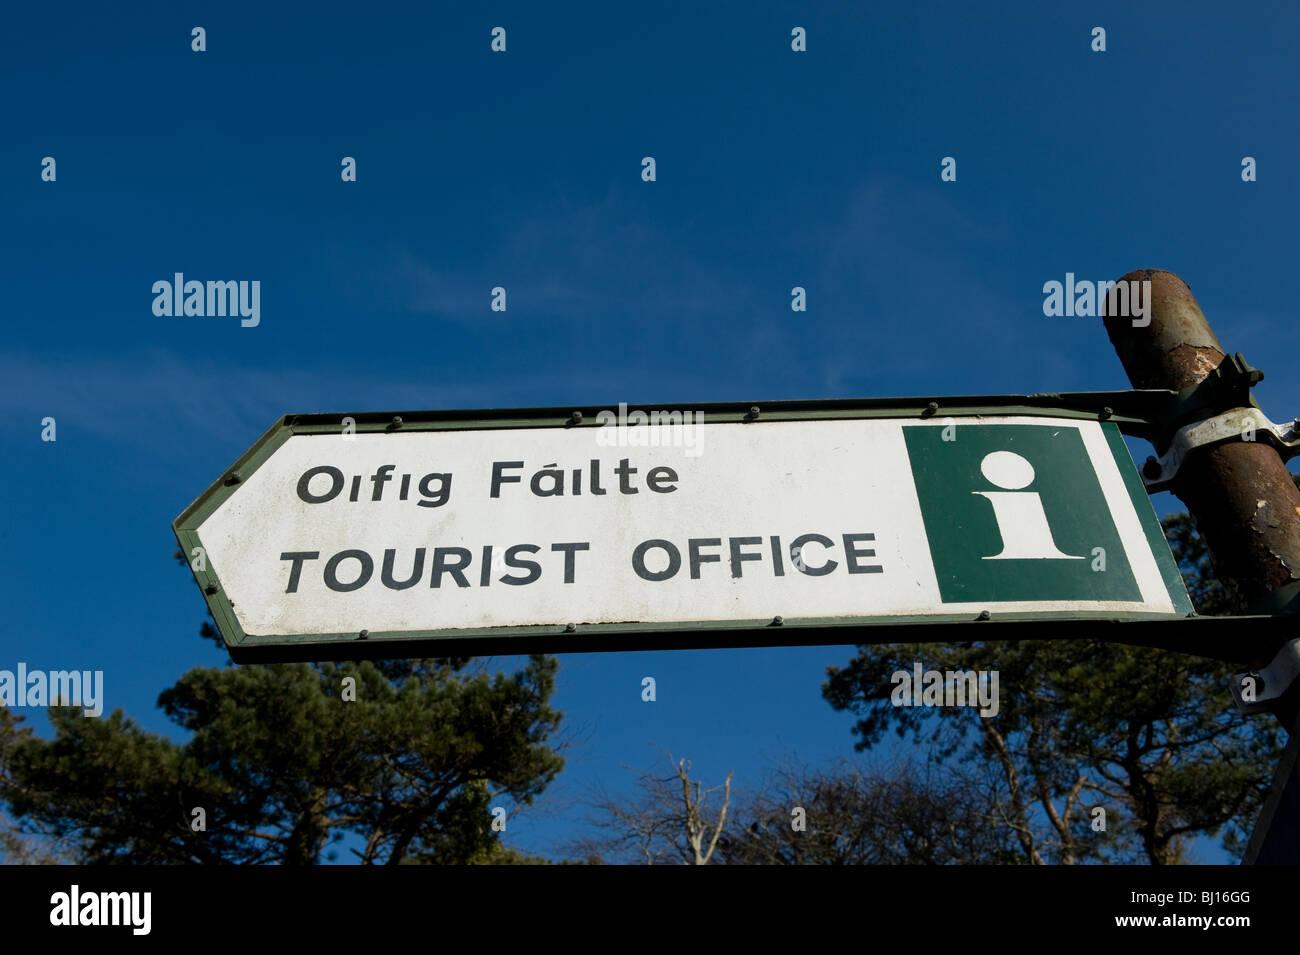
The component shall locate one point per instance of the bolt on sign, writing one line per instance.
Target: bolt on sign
(442, 534)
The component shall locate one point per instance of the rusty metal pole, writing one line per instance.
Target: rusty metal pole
(1246, 506)
(1242, 497)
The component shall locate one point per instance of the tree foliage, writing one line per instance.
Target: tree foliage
(1150, 736)
(672, 819)
(1193, 558)
(1098, 753)
(283, 769)
(896, 814)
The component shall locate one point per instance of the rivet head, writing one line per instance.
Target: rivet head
(234, 477)
(778, 620)
(1106, 413)
(985, 615)
(396, 422)
(211, 589)
(570, 628)
(363, 634)
(932, 407)
(576, 417)
(753, 411)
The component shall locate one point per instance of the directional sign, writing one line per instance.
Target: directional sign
(447, 530)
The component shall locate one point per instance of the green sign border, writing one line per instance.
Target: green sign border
(244, 647)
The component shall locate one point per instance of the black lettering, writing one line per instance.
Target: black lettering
(624, 472)
(379, 478)
(534, 569)
(556, 477)
(656, 475)
(570, 550)
(336, 479)
(852, 553)
(386, 573)
(638, 560)
(737, 558)
(332, 566)
(432, 499)
(298, 556)
(694, 545)
(796, 555)
(498, 478)
(457, 570)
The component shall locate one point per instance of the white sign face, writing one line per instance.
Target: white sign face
(418, 531)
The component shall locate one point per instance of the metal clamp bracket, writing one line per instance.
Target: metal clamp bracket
(1266, 687)
(1239, 424)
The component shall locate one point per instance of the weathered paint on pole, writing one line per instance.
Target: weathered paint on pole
(1244, 501)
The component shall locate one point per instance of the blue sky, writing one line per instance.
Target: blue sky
(522, 169)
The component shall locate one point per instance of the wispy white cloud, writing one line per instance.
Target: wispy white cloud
(143, 397)
(580, 263)
(135, 397)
